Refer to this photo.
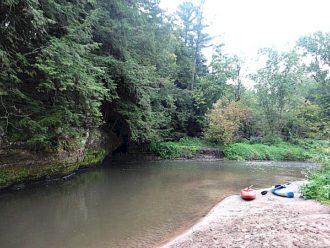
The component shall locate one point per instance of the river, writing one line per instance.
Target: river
(129, 204)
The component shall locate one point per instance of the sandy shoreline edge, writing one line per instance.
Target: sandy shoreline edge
(268, 221)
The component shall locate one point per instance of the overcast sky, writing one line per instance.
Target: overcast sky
(247, 25)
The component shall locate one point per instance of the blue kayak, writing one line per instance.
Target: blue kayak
(282, 191)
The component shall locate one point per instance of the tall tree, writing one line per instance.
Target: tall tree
(40, 80)
(22, 28)
(73, 82)
(192, 26)
(316, 47)
(137, 39)
(223, 80)
(276, 84)
(200, 41)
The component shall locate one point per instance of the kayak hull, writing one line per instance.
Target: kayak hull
(283, 193)
(248, 194)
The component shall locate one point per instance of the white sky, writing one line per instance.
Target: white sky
(245, 26)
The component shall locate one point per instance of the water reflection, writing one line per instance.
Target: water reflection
(128, 205)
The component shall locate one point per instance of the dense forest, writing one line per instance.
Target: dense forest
(68, 67)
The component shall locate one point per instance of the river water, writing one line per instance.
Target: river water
(129, 204)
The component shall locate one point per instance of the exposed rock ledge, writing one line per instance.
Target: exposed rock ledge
(268, 221)
(20, 165)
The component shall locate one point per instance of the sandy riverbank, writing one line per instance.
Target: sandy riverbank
(268, 221)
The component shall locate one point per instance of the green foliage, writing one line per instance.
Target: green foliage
(184, 148)
(317, 148)
(171, 150)
(52, 85)
(66, 67)
(142, 46)
(188, 117)
(225, 120)
(73, 82)
(192, 33)
(276, 84)
(184, 111)
(194, 142)
(20, 35)
(166, 150)
(305, 121)
(218, 83)
(283, 151)
(318, 186)
(61, 60)
(316, 46)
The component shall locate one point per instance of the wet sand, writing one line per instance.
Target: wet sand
(267, 221)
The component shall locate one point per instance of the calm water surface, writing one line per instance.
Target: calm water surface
(135, 204)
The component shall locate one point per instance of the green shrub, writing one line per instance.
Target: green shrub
(318, 186)
(225, 120)
(167, 150)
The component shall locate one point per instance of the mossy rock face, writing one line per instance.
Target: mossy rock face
(23, 173)
(93, 156)
(20, 164)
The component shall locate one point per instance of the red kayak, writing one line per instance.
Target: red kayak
(248, 193)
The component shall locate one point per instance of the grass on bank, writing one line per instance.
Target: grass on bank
(184, 148)
(299, 150)
(242, 151)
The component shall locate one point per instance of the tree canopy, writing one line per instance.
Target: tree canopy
(68, 67)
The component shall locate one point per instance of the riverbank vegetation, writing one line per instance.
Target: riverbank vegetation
(184, 148)
(299, 150)
(71, 67)
(318, 186)
(280, 151)
(241, 151)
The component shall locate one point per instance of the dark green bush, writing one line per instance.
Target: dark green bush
(167, 150)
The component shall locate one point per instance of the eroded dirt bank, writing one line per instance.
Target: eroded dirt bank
(268, 221)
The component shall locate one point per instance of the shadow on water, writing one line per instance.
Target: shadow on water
(129, 204)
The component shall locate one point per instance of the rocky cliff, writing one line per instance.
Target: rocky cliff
(19, 163)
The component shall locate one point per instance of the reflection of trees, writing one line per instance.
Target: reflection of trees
(127, 202)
